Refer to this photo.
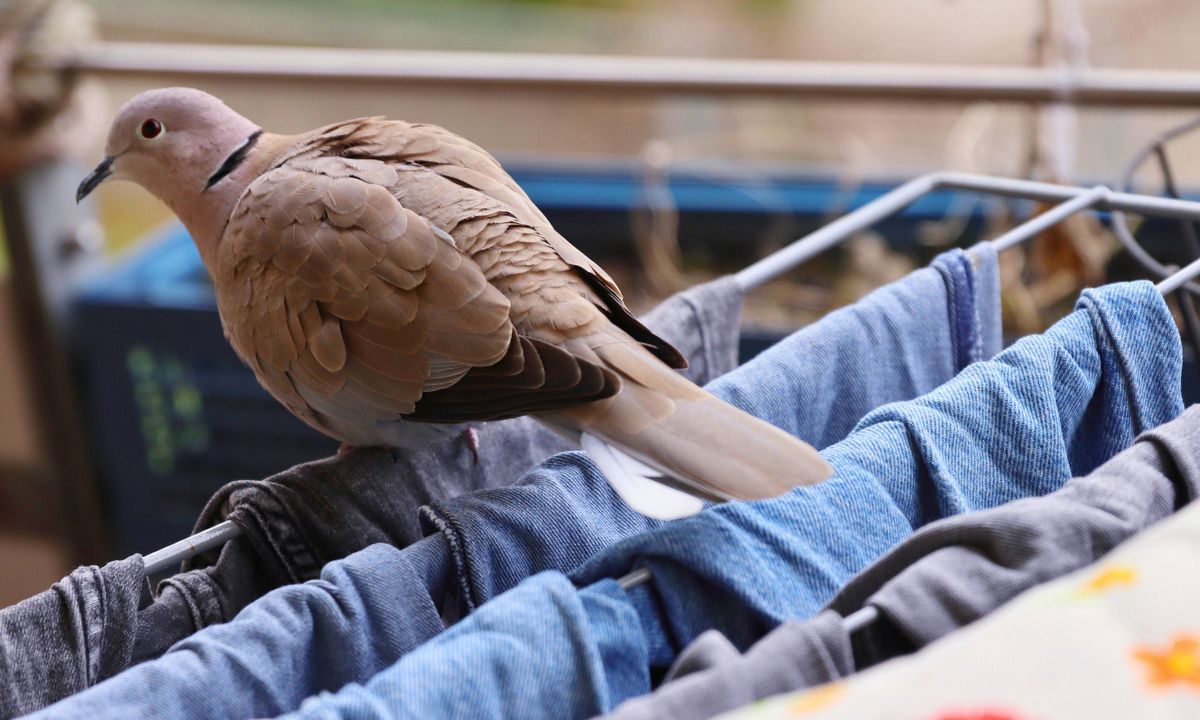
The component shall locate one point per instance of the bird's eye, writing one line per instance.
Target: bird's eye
(151, 129)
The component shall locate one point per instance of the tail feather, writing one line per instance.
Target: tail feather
(711, 448)
(639, 485)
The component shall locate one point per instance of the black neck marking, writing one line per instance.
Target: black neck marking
(237, 157)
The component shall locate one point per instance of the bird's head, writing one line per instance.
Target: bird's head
(180, 144)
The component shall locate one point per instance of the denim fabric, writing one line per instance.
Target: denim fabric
(70, 637)
(250, 667)
(1050, 407)
(564, 500)
(948, 574)
(297, 521)
(462, 678)
(1047, 408)
(897, 343)
(958, 570)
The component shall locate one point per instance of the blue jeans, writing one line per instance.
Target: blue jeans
(1046, 409)
(370, 609)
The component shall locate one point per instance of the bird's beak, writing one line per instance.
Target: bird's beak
(94, 178)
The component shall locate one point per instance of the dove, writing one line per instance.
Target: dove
(390, 284)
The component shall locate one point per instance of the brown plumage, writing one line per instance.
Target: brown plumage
(388, 280)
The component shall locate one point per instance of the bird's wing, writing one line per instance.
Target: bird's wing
(352, 310)
(473, 169)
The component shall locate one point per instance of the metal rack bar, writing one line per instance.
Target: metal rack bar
(643, 74)
(891, 202)
(1176, 281)
(1050, 218)
(1187, 306)
(169, 557)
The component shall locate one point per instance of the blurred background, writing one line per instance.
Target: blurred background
(122, 409)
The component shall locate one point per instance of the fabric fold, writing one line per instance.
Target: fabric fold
(947, 575)
(856, 337)
(1114, 639)
(77, 633)
(900, 341)
(1047, 408)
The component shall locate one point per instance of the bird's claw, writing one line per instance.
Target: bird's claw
(471, 436)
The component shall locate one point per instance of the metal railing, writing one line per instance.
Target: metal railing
(643, 74)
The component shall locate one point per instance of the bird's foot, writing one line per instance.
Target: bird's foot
(471, 437)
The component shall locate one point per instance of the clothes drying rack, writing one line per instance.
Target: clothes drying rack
(1070, 200)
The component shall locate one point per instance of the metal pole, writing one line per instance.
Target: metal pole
(1048, 219)
(169, 557)
(897, 199)
(818, 241)
(1176, 281)
(626, 74)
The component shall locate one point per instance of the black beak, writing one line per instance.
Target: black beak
(94, 178)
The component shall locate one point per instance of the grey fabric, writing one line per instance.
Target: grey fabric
(297, 521)
(708, 679)
(948, 574)
(201, 598)
(707, 651)
(69, 637)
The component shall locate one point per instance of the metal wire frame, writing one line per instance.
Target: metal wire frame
(1071, 200)
(1184, 295)
(625, 74)
(1119, 223)
(897, 199)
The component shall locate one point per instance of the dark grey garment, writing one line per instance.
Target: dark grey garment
(69, 637)
(711, 677)
(709, 650)
(947, 575)
(202, 597)
(295, 522)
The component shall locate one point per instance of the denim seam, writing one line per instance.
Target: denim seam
(291, 551)
(246, 517)
(975, 341)
(109, 627)
(458, 551)
(180, 588)
(92, 653)
(949, 278)
(1105, 331)
(702, 330)
(291, 532)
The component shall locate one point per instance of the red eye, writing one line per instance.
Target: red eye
(151, 129)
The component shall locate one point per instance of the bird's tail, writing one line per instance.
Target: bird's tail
(661, 428)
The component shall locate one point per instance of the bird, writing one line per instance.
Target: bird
(391, 285)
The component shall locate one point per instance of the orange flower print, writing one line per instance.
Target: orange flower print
(984, 714)
(816, 699)
(1109, 578)
(1178, 664)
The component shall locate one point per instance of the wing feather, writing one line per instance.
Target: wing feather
(355, 311)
